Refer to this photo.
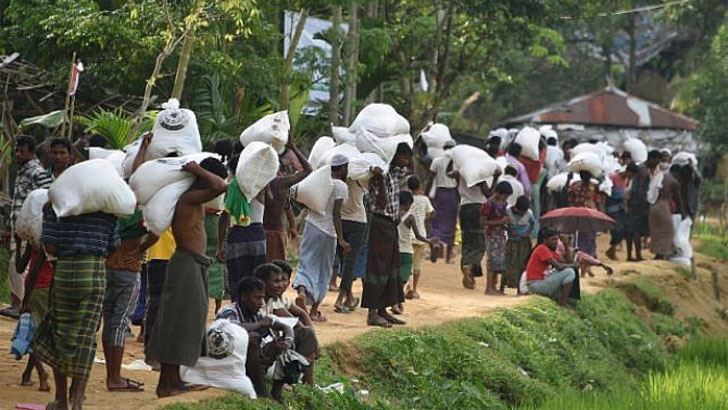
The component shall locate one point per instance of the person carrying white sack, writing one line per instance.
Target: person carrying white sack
(321, 235)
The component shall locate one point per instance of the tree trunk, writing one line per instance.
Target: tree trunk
(288, 64)
(632, 69)
(187, 47)
(352, 62)
(335, 65)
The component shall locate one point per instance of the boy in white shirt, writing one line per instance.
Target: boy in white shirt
(423, 213)
(321, 235)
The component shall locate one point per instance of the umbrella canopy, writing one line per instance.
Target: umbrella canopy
(577, 219)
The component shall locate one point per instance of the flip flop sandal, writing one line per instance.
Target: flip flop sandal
(354, 305)
(343, 309)
(393, 320)
(379, 321)
(131, 386)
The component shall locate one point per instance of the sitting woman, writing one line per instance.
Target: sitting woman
(546, 272)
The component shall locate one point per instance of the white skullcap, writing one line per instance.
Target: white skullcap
(338, 160)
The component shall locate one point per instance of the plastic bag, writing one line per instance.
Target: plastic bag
(91, 186)
(257, 166)
(682, 240)
(159, 210)
(29, 225)
(528, 138)
(381, 120)
(154, 175)
(272, 129)
(473, 164)
(314, 191)
(523, 284)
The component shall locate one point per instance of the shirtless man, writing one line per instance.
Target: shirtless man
(179, 335)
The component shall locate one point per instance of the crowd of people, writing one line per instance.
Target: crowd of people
(96, 269)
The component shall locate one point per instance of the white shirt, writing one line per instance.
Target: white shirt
(405, 235)
(472, 195)
(353, 206)
(439, 167)
(325, 221)
(257, 209)
(420, 208)
(554, 158)
(517, 188)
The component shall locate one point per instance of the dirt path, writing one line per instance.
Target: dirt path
(443, 299)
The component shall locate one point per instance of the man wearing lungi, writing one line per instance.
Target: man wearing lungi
(382, 282)
(446, 203)
(178, 337)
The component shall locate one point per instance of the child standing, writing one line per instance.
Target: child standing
(423, 213)
(406, 228)
(518, 248)
(495, 220)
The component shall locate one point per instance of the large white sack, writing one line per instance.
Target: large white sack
(175, 131)
(587, 147)
(360, 167)
(29, 225)
(436, 136)
(117, 160)
(528, 138)
(257, 166)
(272, 129)
(435, 152)
(98, 152)
(557, 183)
(342, 135)
(381, 120)
(473, 164)
(314, 190)
(586, 161)
(349, 151)
(130, 153)
(159, 210)
(154, 175)
(227, 372)
(685, 158)
(321, 146)
(684, 250)
(386, 148)
(91, 186)
(637, 149)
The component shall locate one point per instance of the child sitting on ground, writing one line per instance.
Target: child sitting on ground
(276, 301)
(406, 228)
(423, 213)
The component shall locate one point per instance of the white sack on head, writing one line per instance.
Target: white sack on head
(436, 136)
(558, 182)
(586, 161)
(91, 186)
(342, 135)
(349, 151)
(361, 165)
(29, 225)
(685, 158)
(99, 153)
(528, 138)
(381, 120)
(550, 133)
(159, 210)
(587, 147)
(473, 164)
(320, 147)
(257, 166)
(386, 148)
(115, 156)
(154, 175)
(130, 153)
(435, 152)
(314, 191)
(637, 149)
(272, 129)
(175, 131)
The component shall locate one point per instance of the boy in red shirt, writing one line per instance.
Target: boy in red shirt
(557, 283)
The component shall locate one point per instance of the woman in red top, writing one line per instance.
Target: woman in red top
(557, 283)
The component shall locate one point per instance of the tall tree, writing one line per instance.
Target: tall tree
(335, 64)
(352, 62)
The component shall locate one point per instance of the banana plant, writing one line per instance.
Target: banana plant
(115, 125)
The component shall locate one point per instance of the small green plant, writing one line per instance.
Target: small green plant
(668, 325)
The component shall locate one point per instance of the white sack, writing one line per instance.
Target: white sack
(257, 166)
(175, 131)
(29, 225)
(587, 147)
(227, 372)
(272, 129)
(217, 203)
(91, 186)
(384, 147)
(685, 158)
(154, 175)
(343, 136)
(98, 152)
(117, 160)
(637, 149)
(349, 151)
(321, 146)
(586, 161)
(314, 190)
(130, 151)
(549, 133)
(360, 166)
(436, 136)
(682, 240)
(473, 164)
(435, 152)
(528, 138)
(557, 183)
(159, 210)
(381, 120)
(523, 284)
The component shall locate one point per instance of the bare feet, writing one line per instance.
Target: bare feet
(125, 385)
(44, 383)
(376, 320)
(316, 316)
(612, 253)
(468, 281)
(301, 301)
(56, 405)
(608, 270)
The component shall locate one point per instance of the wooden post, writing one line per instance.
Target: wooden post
(70, 118)
(68, 97)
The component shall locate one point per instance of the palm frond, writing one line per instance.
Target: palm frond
(115, 125)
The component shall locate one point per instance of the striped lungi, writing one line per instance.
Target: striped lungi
(66, 338)
(216, 271)
(245, 251)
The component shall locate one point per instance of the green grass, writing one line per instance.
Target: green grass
(643, 292)
(714, 246)
(713, 351)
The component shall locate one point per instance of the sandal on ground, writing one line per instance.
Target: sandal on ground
(468, 282)
(409, 294)
(342, 309)
(354, 305)
(378, 321)
(130, 386)
(391, 319)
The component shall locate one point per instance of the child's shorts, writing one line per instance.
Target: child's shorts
(419, 256)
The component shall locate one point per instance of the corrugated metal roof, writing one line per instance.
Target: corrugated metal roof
(610, 107)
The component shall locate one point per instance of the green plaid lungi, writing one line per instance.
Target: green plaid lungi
(66, 337)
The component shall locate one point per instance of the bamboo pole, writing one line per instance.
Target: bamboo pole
(68, 96)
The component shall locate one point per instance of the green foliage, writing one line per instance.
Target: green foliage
(115, 125)
(714, 246)
(643, 292)
(668, 325)
(712, 351)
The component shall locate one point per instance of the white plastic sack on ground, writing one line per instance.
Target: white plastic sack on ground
(586, 161)
(682, 240)
(154, 175)
(360, 166)
(175, 131)
(381, 120)
(321, 146)
(343, 136)
(29, 225)
(637, 149)
(349, 151)
(384, 147)
(227, 372)
(159, 210)
(473, 164)
(91, 186)
(522, 284)
(557, 183)
(314, 190)
(436, 136)
(257, 166)
(272, 129)
(528, 138)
